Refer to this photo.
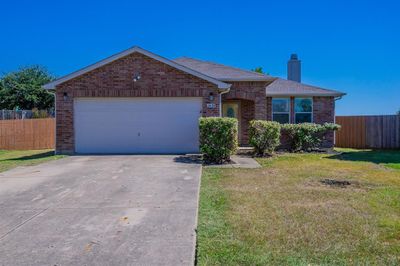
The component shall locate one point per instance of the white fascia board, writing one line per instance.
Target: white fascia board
(221, 85)
(310, 94)
(247, 79)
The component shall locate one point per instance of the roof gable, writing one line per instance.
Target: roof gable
(221, 85)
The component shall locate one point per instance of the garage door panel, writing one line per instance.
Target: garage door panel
(136, 125)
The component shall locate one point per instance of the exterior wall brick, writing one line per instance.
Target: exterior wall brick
(323, 111)
(292, 114)
(269, 108)
(253, 91)
(247, 113)
(253, 104)
(116, 80)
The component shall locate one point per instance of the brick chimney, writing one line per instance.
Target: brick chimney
(294, 68)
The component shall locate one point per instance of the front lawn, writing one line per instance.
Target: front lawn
(11, 159)
(389, 158)
(282, 214)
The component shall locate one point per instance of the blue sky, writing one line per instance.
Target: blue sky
(352, 46)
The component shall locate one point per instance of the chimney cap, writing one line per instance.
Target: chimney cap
(293, 57)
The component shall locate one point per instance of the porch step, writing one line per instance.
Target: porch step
(245, 150)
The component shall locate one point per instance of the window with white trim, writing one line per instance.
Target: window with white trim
(303, 108)
(281, 110)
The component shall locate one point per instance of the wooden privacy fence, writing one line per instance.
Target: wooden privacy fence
(364, 132)
(27, 134)
(25, 114)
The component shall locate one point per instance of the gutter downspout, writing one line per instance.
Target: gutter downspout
(338, 98)
(55, 120)
(220, 100)
(334, 118)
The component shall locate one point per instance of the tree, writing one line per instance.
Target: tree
(22, 89)
(258, 70)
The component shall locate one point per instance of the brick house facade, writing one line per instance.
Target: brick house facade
(160, 77)
(115, 80)
(323, 112)
(253, 104)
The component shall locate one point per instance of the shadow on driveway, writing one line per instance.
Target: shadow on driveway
(189, 159)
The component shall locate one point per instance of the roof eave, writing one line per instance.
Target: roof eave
(335, 94)
(52, 86)
(245, 79)
(225, 86)
(49, 86)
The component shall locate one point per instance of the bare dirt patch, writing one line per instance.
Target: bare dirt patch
(336, 183)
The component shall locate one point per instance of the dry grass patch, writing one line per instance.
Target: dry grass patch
(283, 214)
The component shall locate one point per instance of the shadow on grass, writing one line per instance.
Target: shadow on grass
(373, 156)
(31, 157)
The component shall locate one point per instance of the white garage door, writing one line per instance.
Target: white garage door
(137, 125)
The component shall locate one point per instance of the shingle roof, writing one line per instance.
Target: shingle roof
(221, 72)
(279, 87)
(283, 87)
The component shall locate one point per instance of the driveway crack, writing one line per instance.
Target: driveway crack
(21, 224)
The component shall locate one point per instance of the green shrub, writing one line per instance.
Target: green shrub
(264, 136)
(39, 113)
(218, 138)
(307, 136)
(331, 126)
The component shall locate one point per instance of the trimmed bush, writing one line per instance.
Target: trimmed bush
(307, 136)
(264, 136)
(218, 138)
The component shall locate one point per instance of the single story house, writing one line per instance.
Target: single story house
(139, 102)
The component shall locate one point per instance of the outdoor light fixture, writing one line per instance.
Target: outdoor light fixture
(136, 77)
(211, 96)
(65, 96)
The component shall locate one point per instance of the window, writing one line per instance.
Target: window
(281, 110)
(303, 110)
(230, 109)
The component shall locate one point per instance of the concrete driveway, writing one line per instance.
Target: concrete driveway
(100, 210)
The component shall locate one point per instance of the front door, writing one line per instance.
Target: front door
(232, 109)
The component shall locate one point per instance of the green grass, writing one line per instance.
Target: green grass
(12, 159)
(282, 214)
